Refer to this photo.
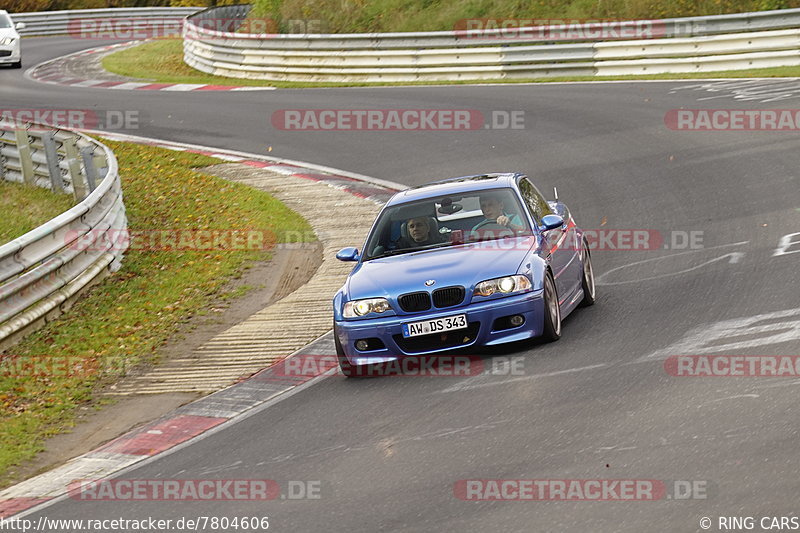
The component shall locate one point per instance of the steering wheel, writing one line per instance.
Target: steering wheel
(488, 226)
(486, 223)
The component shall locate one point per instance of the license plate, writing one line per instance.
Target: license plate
(436, 325)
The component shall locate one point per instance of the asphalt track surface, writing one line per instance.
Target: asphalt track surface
(596, 404)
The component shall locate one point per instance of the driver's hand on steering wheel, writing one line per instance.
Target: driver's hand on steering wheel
(503, 220)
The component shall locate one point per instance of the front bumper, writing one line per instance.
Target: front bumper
(9, 54)
(481, 318)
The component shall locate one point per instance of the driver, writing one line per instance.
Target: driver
(494, 211)
(419, 234)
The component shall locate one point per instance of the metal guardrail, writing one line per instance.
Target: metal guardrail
(691, 44)
(55, 159)
(42, 271)
(63, 22)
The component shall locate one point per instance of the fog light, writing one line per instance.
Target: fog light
(517, 320)
(362, 345)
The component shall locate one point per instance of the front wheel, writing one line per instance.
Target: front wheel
(552, 311)
(587, 280)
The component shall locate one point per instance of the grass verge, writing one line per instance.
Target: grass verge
(123, 321)
(32, 207)
(162, 62)
(359, 16)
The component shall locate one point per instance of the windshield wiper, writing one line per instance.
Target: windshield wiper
(399, 251)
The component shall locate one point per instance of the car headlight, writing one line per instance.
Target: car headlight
(7, 40)
(358, 308)
(505, 285)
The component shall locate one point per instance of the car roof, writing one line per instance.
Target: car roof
(458, 185)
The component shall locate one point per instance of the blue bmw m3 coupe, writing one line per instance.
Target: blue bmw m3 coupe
(470, 261)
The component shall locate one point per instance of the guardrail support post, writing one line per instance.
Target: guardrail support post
(79, 188)
(101, 164)
(25, 156)
(87, 154)
(50, 152)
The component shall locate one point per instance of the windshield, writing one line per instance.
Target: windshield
(447, 221)
(5, 22)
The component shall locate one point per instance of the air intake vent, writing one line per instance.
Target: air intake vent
(448, 296)
(415, 301)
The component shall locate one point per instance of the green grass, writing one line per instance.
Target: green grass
(31, 207)
(162, 62)
(347, 16)
(123, 321)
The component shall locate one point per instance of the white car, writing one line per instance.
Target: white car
(9, 41)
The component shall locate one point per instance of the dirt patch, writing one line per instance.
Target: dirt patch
(259, 285)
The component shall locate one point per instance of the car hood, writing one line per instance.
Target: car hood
(464, 265)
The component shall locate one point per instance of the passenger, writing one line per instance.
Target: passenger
(419, 234)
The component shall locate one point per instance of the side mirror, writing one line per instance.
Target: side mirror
(551, 222)
(20, 26)
(347, 254)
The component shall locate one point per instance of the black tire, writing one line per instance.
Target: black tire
(552, 311)
(587, 278)
(18, 64)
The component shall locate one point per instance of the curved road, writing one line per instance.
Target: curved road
(596, 404)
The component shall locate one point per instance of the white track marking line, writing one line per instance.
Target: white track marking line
(126, 86)
(183, 87)
(701, 340)
(468, 385)
(733, 257)
(87, 83)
